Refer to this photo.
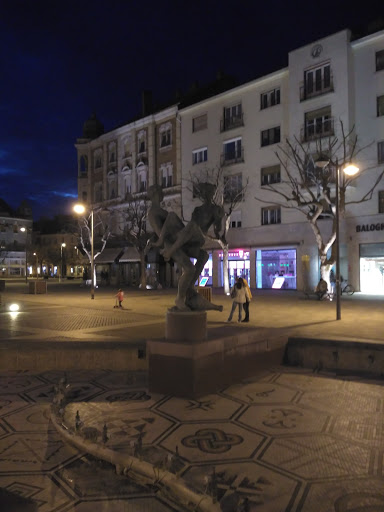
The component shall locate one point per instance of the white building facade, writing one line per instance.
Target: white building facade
(327, 82)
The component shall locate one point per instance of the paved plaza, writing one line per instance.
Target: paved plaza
(286, 439)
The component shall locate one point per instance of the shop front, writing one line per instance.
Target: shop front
(238, 266)
(276, 269)
(372, 268)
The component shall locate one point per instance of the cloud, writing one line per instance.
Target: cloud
(11, 171)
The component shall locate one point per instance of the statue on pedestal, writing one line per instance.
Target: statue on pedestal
(182, 242)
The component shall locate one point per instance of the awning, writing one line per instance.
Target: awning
(109, 256)
(130, 254)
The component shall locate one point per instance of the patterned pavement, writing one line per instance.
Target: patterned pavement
(286, 440)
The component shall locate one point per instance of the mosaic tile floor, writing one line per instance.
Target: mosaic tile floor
(287, 440)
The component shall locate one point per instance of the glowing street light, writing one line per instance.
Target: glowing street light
(61, 260)
(24, 230)
(37, 273)
(80, 209)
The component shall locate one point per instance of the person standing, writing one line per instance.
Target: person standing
(246, 303)
(120, 297)
(239, 294)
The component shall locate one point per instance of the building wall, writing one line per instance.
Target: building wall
(351, 98)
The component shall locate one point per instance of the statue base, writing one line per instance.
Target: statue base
(188, 365)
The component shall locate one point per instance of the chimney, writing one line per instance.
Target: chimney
(146, 102)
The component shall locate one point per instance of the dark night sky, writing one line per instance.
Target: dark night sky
(62, 60)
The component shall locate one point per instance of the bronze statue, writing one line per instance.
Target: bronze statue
(181, 243)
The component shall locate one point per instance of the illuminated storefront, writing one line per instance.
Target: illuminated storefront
(276, 268)
(238, 265)
(372, 268)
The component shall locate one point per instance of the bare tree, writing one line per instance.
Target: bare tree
(310, 188)
(101, 231)
(135, 230)
(230, 191)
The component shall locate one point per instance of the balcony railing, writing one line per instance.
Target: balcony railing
(317, 89)
(232, 157)
(317, 130)
(231, 122)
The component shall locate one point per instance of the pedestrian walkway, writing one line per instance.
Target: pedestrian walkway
(286, 439)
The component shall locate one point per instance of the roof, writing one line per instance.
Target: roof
(130, 254)
(111, 255)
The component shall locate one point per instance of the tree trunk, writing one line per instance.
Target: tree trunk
(225, 270)
(143, 272)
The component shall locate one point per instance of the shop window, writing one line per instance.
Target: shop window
(270, 175)
(276, 269)
(271, 215)
(381, 201)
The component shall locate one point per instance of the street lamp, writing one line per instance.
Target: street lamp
(24, 230)
(79, 209)
(350, 170)
(37, 274)
(61, 260)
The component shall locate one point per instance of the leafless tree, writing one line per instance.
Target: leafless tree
(310, 189)
(230, 191)
(101, 231)
(134, 229)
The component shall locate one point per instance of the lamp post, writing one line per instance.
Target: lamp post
(61, 260)
(37, 274)
(79, 208)
(24, 230)
(350, 170)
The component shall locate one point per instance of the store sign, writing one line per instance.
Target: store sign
(370, 227)
(237, 254)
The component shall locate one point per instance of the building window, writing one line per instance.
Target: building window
(270, 175)
(270, 98)
(142, 178)
(380, 60)
(127, 151)
(233, 152)
(83, 165)
(381, 201)
(97, 156)
(128, 185)
(3, 228)
(165, 135)
(235, 221)
(15, 228)
(232, 117)
(199, 123)
(233, 187)
(84, 197)
(112, 153)
(380, 152)
(380, 106)
(199, 155)
(271, 136)
(271, 215)
(98, 192)
(141, 142)
(318, 123)
(166, 175)
(317, 81)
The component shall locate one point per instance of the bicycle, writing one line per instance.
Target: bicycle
(348, 288)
